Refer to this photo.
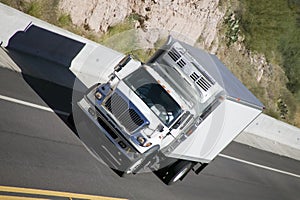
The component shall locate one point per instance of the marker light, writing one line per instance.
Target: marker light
(98, 95)
(148, 144)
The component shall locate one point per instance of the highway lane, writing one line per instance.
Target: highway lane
(39, 150)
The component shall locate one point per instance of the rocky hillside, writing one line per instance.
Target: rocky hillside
(192, 19)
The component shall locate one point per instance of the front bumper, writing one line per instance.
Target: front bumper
(102, 138)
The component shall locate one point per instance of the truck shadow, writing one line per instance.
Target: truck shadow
(44, 58)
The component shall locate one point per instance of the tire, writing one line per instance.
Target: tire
(178, 171)
(140, 162)
(70, 119)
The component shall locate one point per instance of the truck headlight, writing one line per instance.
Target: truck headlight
(143, 142)
(98, 95)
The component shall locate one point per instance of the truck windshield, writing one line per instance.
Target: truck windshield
(154, 95)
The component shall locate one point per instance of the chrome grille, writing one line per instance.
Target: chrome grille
(127, 116)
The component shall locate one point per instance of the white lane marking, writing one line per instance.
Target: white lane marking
(32, 105)
(221, 155)
(260, 166)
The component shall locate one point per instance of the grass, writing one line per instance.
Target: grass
(34, 8)
(64, 20)
(270, 28)
(121, 37)
(232, 29)
(43, 9)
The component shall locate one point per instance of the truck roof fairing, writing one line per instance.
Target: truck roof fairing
(233, 87)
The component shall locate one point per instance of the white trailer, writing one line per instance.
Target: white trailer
(175, 113)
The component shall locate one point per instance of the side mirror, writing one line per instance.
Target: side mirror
(122, 63)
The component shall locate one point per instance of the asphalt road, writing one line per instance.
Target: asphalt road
(38, 149)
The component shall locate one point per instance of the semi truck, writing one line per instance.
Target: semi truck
(171, 115)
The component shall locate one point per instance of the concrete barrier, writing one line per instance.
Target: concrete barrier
(30, 35)
(272, 135)
(13, 21)
(20, 31)
(86, 59)
(278, 131)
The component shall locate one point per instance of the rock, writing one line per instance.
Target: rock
(98, 15)
(188, 19)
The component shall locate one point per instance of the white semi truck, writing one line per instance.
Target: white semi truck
(171, 115)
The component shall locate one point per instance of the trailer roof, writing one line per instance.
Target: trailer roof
(232, 85)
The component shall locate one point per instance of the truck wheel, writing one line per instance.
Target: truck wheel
(142, 161)
(178, 171)
(70, 119)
